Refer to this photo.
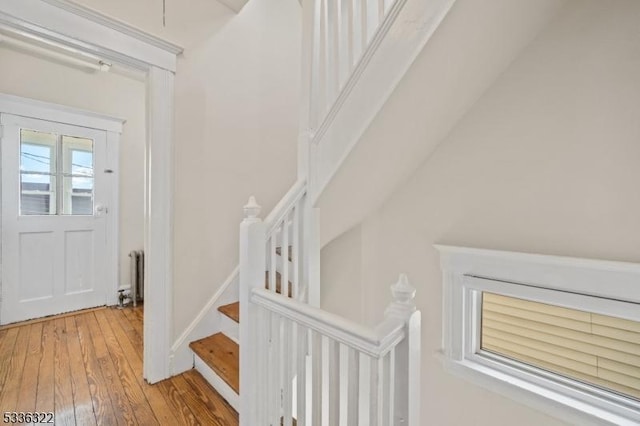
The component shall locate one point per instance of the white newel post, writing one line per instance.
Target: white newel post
(407, 357)
(252, 267)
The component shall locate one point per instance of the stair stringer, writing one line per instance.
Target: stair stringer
(208, 321)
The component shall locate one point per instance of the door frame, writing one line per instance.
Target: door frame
(84, 30)
(14, 108)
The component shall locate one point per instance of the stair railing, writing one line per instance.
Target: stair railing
(344, 35)
(275, 255)
(319, 368)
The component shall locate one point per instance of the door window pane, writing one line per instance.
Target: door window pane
(78, 195)
(37, 152)
(37, 194)
(37, 173)
(78, 156)
(77, 171)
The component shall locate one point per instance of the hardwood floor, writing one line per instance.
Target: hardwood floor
(87, 369)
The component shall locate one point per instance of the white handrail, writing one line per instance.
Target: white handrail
(333, 326)
(281, 209)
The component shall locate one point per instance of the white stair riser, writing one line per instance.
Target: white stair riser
(230, 328)
(218, 383)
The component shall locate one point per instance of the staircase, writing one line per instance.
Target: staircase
(217, 357)
(264, 331)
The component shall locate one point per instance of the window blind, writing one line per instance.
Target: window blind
(596, 349)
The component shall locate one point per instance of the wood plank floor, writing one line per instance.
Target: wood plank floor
(87, 369)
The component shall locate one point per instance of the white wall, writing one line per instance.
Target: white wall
(342, 265)
(474, 44)
(25, 75)
(236, 135)
(547, 161)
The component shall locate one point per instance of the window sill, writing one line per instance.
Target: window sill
(536, 396)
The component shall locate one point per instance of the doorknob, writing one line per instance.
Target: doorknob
(101, 209)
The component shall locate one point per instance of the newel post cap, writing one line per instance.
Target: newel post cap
(252, 210)
(403, 304)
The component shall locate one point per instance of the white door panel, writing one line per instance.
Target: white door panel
(54, 242)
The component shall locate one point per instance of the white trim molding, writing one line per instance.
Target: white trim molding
(158, 285)
(32, 108)
(73, 27)
(597, 286)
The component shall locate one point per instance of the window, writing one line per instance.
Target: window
(558, 334)
(56, 174)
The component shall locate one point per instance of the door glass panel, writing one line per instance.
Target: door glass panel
(78, 156)
(37, 173)
(77, 171)
(37, 151)
(37, 194)
(78, 195)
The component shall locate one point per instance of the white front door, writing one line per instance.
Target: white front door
(54, 218)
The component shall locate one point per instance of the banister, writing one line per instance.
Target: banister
(284, 205)
(373, 343)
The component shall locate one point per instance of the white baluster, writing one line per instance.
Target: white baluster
(287, 371)
(346, 40)
(312, 256)
(334, 382)
(391, 385)
(262, 367)
(372, 19)
(364, 24)
(333, 43)
(284, 256)
(276, 365)
(295, 251)
(344, 384)
(387, 385)
(316, 378)
(354, 387)
(272, 267)
(366, 390)
(316, 66)
(301, 383)
(375, 384)
(325, 47)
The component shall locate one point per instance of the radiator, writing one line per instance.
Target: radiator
(137, 276)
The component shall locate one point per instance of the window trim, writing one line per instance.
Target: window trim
(563, 281)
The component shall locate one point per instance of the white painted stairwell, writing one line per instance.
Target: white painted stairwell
(263, 341)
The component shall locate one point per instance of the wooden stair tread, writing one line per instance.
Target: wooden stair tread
(279, 252)
(232, 310)
(222, 355)
(278, 283)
